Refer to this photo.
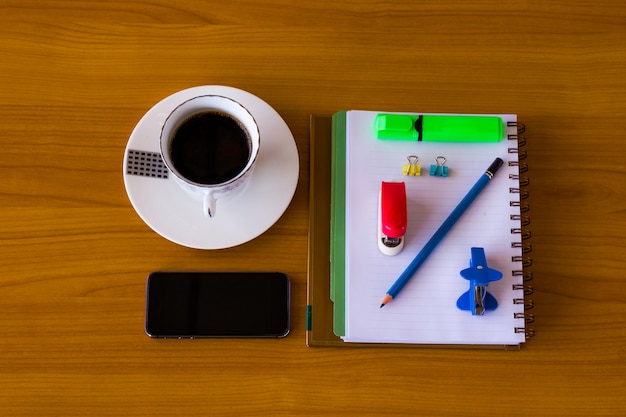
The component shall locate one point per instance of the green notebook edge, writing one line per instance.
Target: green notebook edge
(319, 309)
(338, 223)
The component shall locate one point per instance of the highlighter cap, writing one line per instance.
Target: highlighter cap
(396, 127)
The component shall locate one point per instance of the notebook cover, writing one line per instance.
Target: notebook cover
(320, 309)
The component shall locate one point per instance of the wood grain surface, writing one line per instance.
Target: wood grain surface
(76, 77)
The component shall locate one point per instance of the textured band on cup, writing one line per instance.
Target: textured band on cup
(146, 164)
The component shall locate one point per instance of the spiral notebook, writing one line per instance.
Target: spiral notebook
(426, 311)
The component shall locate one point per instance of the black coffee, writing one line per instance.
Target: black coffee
(210, 148)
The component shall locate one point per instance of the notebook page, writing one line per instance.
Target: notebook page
(425, 310)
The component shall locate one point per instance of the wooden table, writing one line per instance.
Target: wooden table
(77, 77)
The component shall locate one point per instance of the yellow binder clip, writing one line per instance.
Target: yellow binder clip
(412, 167)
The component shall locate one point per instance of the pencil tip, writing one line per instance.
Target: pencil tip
(386, 299)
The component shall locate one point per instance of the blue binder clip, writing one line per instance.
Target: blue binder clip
(440, 169)
(477, 299)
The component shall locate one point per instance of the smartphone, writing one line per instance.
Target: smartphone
(217, 304)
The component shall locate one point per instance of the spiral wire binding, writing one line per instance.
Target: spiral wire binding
(524, 221)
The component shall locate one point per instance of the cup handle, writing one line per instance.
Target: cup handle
(209, 204)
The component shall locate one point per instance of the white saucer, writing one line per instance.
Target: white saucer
(177, 214)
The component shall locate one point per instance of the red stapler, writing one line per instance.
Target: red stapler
(392, 217)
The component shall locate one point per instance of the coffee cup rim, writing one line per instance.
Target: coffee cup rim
(251, 162)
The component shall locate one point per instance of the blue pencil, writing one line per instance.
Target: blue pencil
(442, 231)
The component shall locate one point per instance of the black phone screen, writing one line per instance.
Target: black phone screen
(217, 304)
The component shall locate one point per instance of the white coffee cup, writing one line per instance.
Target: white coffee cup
(210, 144)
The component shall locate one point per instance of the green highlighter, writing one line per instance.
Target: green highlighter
(439, 128)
